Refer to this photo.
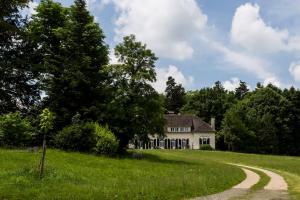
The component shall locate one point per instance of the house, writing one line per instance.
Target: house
(182, 131)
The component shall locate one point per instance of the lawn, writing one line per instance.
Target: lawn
(159, 175)
(287, 166)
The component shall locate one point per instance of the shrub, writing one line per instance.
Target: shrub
(15, 131)
(76, 137)
(206, 147)
(106, 142)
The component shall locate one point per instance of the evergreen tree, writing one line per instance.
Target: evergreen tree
(242, 90)
(175, 95)
(73, 52)
(18, 85)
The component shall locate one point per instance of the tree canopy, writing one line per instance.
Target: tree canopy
(134, 108)
(175, 95)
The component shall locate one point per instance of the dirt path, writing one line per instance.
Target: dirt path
(276, 189)
(237, 191)
(276, 183)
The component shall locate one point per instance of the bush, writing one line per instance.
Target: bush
(15, 131)
(106, 142)
(76, 137)
(206, 147)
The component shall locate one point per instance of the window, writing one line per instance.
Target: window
(204, 141)
(173, 143)
(179, 129)
(161, 143)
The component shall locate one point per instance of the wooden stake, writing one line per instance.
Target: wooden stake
(42, 162)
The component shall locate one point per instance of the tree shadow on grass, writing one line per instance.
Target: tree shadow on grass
(154, 158)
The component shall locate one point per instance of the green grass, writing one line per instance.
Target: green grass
(287, 166)
(162, 174)
(263, 181)
(81, 176)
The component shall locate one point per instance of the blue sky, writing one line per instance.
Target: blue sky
(201, 41)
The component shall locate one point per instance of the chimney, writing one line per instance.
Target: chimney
(213, 123)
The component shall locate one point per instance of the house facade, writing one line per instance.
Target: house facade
(181, 132)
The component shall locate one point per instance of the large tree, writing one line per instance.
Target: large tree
(18, 85)
(261, 123)
(73, 51)
(175, 95)
(134, 108)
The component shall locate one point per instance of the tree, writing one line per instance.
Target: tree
(18, 85)
(73, 51)
(15, 130)
(134, 108)
(209, 102)
(292, 146)
(175, 95)
(242, 90)
(46, 124)
(260, 123)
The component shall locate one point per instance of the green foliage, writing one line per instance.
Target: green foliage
(106, 142)
(46, 120)
(242, 90)
(260, 123)
(210, 102)
(206, 147)
(72, 51)
(175, 95)
(76, 137)
(18, 75)
(133, 106)
(15, 130)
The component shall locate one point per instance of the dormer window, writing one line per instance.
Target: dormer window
(179, 129)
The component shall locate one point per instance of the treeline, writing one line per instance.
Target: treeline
(265, 120)
(58, 60)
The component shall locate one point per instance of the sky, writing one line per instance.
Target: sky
(199, 42)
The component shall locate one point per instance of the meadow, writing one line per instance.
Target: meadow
(82, 176)
(160, 174)
(287, 166)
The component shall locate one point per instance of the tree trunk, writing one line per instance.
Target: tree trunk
(42, 162)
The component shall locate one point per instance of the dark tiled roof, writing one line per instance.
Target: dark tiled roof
(197, 124)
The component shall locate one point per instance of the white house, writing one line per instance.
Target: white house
(182, 132)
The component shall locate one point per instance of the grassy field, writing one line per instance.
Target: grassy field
(288, 167)
(160, 175)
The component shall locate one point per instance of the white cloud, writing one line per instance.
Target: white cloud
(112, 58)
(273, 81)
(168, 27)
(164, 73)
(30, 10)
(295, 70)
(251, 32)
(231, 84)
(243, 61)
